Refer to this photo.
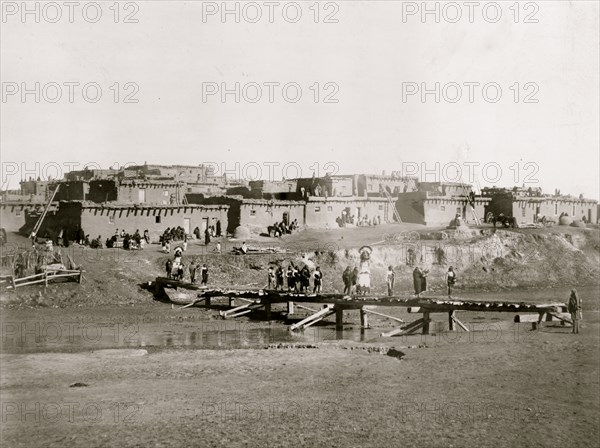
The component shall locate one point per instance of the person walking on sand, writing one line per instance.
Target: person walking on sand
(390, 278)
(574, 308)
(450, 280)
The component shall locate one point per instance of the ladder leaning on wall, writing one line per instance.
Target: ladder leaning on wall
(40, 220)
(391, 202)
(475, 217)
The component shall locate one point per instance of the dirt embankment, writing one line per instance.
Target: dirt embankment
(484, 260)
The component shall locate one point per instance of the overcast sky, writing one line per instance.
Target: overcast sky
(175, 56)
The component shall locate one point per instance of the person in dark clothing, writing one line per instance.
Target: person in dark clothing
(204, 274)
(574, 308)
(347, 279)
(169, 268)
(419, 280)
(279, 277)
(218, 228)
(305, 279)
(291, 281)
(354, 277)
(206, 237)
(318, 276)
(147, 236)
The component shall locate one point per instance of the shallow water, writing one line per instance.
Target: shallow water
(156, 326)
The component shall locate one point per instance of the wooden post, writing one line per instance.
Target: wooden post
(339, 319)
(451, 326)
(290, 308)
(80, 275)
(425, 322)
(232, 302)
(268, 308)
(364, 318)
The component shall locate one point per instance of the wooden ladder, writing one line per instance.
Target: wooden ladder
(40, 220)
(392, 204)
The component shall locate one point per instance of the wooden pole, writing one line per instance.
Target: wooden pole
(426, 321)
(231, 302)
(364, 318)
(339, 318)
(451, 326)
(290, 308)
(268, 309)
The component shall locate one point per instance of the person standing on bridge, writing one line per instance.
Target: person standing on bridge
(347, 278)
(270, 277)
(354, 278)
(279, 277)
(574, 308)
(318, 276)
(450, 280)
(390, 278)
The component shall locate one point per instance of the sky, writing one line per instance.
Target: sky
(511, 93)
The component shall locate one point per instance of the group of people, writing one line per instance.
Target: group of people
(298, 279)
(363, 221)
(281, 228)
(176, 268)
(213, 231)
(420, 280)
(129, 241)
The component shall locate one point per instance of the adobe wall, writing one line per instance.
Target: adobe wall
(525, 210)
(257, 216)
(12, 215)
(324, 212)
(104, 221)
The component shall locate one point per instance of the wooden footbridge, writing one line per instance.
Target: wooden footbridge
(249, 300)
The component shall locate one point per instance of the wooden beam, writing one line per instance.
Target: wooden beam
(339, 319)
(408, 328)
(313, 318)
(364, 318)
(397, 319)
(459, 323)
(426, 321)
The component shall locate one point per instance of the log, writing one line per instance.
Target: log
(313, 318)
(522, 318)
(397, 319)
